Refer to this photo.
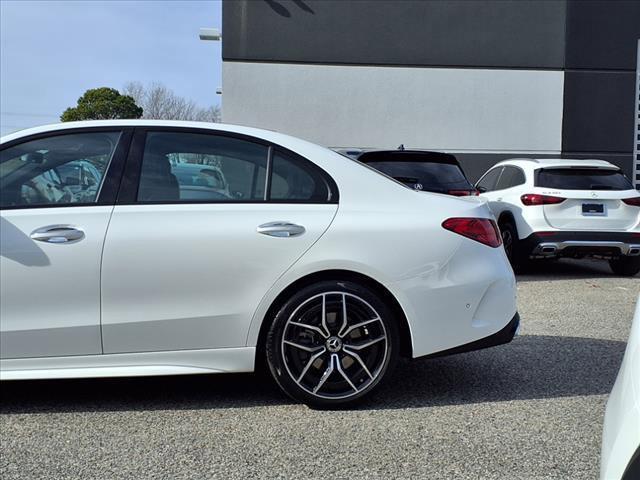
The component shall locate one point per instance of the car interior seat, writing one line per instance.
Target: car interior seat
(157, 183)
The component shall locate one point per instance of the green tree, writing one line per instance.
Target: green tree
(102, 104)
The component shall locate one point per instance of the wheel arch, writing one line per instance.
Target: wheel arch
(517, 218)
(406, 344)
(507, 216)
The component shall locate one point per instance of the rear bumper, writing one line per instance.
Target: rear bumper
(499, 338)
(582, 244)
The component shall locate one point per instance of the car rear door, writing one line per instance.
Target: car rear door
(186, 262)
(486, 187)
(593, 199)
(52, 233)
(506, 196)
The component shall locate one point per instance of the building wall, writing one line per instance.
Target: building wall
(482, 33)
(600, 73)
(488, 78)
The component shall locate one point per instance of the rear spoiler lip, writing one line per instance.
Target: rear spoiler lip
(582, 167)
(408, 156)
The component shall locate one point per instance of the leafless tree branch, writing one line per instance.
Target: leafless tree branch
(159, 102)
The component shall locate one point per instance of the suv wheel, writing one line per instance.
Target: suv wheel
(332, 343)
(511, 243)
(625, 266)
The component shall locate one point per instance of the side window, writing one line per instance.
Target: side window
(518, 178)
(488, 181)
(504, 181)
(511, 176)
(56, 171)
(295, 179)
(191, 167)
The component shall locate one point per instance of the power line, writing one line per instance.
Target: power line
(25, 114)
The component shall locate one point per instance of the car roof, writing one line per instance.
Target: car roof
(407, 156)
(535, 163)
(240, 129)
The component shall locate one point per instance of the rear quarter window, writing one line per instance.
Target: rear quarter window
(582, 179)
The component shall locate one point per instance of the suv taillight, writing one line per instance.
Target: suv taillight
(530, 199)
(481, 230)
(634, 202)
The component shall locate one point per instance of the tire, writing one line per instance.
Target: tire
(625, 266)
(332, 364)
(511, 244)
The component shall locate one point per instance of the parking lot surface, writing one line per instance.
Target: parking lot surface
(531, 409)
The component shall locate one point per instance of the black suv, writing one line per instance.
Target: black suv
(421, 170)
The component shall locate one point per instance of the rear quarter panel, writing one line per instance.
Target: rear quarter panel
(453, 290)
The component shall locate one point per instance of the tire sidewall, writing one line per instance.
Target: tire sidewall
(276, 330)
(516, 254)
(625, 266)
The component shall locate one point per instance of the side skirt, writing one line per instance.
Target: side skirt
(182, 362)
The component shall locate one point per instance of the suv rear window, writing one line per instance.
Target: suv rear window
(434, 177)
(430, 171)
(582, 179)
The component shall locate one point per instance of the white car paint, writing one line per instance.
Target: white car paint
(621, 433)
(51, 293)
(185, 288)
(212, 257)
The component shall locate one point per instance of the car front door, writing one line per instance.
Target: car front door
(205, 224)
(51, 237)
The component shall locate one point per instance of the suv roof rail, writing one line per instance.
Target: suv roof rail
(534, 160)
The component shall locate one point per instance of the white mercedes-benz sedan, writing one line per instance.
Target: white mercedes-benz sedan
(134, 247)
(620, 459)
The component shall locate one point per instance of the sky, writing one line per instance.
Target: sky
(52, 51)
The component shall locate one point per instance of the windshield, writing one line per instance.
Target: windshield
(582, 179)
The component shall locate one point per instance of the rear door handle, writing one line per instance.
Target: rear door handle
(58, 234)
(280, 229)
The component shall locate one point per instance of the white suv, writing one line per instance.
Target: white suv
(565, 208)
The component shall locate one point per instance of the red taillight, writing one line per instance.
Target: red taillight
(634, 202)
(536, 199)
(481, 230)
(463, 193)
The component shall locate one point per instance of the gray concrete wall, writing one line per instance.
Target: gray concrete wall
(381, 107)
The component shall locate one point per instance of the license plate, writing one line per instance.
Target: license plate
(593, 209)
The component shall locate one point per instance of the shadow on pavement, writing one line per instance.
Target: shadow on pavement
(531, 367)
(566, 269)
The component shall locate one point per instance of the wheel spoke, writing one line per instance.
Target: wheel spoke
(327, 373)
(359, 360)
(324, 315)
(302, 347)
(344, 315)
(358, 325)
(367, 344)
(344, 375)
(310, 362)
(309, 327)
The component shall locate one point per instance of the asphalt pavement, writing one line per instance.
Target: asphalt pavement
(532, 409)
